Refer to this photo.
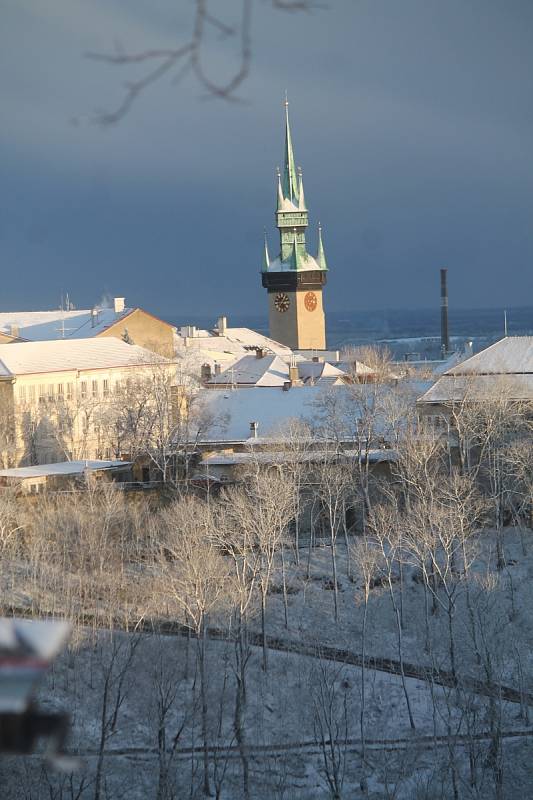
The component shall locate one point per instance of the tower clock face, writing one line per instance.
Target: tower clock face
(310, 301)
(282, 302)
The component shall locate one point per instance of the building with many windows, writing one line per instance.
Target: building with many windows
(78, 399)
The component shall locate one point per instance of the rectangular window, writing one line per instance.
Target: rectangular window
(42, 393)
(108, 453)
(83, 390)
(95, 388)
(22, 394)
(51, 391)
(60, 391)
(118, 387)
(69, 391)
(31, 394)
(106, 387)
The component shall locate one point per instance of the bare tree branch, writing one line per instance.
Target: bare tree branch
(190, 56)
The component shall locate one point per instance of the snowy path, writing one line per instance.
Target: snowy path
(391, 666)
(312, 747)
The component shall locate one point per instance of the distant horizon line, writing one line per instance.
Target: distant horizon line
(381, 310)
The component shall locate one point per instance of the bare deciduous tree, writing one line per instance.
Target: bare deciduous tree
(197, 578)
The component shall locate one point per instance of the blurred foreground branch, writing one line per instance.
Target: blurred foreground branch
(189, 56)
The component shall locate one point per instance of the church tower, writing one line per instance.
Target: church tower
(294, 279)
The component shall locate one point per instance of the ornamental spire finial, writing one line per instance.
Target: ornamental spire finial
(266, 256)
(321, 256)
(290, 180)
(301, 202)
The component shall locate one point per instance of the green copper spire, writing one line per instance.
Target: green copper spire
(290, 179)
(292, 218)
(321, 256)
(266, 257)
(279, 202)
(301, 204)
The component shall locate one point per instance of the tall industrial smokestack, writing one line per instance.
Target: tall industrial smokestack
(444, 336)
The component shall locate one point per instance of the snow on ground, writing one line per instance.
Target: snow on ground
(282, 711)
(286, 703)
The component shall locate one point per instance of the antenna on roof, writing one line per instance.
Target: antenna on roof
(505, 322)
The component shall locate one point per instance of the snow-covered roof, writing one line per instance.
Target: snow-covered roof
(271, 370)
(47, 325)
(355, 368)
(511, 355)
(307, 262)
(279, 456)
(286, 204)
(272, 408)
(250, 339)
(61, 468)
(236, 341)
(269, 407)
(432, 366)
(455, 388)
(318, 369)
(63, 355)
(506, 367)
(253, 371)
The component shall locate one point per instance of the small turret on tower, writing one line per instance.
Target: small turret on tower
(279, 200)
(321, 256)
(266, 257)
(301, 201)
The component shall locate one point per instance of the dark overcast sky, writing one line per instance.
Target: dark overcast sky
(412, 120)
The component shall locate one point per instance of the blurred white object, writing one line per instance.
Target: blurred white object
(27, 648)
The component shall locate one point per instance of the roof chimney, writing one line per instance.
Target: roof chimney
(218, 368)
(294, 375)
(94, 317)
(260, 353)
(444, 337)
(119, 303)
(206, 372)
(253, 429)
(222, 324)
(15, 331)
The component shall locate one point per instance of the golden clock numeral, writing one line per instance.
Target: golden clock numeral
(282, 302)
